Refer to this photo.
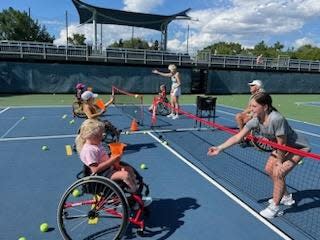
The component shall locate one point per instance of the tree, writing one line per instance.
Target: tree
(136, 43)
(77, 39)
(225, 48)
(18, 26)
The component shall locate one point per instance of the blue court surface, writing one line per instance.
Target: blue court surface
(194, 196)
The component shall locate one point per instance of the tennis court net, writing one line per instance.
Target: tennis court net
(241, 170)
(130, 103)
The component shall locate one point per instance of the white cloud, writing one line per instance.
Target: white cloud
(245, 21)
(303, 41)
(110, 33)
(250, 21)
(141, 5)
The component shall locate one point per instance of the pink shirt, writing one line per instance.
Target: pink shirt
(91, 154)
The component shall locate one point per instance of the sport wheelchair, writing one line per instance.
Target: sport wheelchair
(95, 207)
(112, 134)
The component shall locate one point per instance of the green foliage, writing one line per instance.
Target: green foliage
(224, 48)
(307, 52)
(136, 43)
(18, 26)
(77, 39)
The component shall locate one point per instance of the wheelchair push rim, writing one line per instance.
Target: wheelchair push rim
(93, 207)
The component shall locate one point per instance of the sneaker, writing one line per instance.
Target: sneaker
(146, 201)
(286, 200)
(270, 212)
(170, 115)
(175, 116)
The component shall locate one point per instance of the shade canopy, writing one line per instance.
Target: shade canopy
(89, 13)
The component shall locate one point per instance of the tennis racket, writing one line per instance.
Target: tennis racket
(260, 141)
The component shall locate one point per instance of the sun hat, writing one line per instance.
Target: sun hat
(256, 83)
(87, 95)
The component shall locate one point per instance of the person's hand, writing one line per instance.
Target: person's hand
(213, 151)
(155, 71)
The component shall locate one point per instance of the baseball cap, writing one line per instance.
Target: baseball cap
(256, 82)
(80, 86)
(87, 95)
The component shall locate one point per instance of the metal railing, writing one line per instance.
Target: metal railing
(48, 51)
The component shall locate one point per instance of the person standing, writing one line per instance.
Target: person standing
(175, 92)
(276, 128)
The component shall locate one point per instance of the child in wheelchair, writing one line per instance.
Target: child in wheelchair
(92, 112)
(159, 99)
(97, 161)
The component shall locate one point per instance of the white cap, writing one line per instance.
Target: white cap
(87, 95)
(257, 83)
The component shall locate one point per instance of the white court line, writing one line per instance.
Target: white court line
(225, 191)
(36, 138)
(2, 111)
(10, 129)
(305, 132)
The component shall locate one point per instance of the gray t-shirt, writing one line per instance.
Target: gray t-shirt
(278, 126)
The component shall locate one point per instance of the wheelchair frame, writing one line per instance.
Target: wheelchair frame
(102, 209)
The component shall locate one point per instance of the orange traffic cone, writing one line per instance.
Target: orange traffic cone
(134, 125)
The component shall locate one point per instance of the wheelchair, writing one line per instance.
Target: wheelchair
(112, 134)
(162, 108)
(96, 207)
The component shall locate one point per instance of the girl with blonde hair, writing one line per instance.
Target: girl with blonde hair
(175, 92)
(95, 157)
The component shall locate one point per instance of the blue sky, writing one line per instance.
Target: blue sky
(292, 22)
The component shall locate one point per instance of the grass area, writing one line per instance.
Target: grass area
(285, 103)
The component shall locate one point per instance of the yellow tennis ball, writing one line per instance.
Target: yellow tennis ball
(136, 96)
(45, 148)
(22, 238)
(44, 227)
(165, 143)
(23, 118)
(143, 166)
(76, 192)
(64, 116)
(72, 121)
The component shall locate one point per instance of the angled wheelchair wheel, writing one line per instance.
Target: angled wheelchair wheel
(93, 207)
(163, 109)
(77, 110)
(257, 141)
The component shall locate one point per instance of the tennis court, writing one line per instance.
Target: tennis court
(195, 196)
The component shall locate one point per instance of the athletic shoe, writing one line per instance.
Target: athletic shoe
(286, 200)
(175, 116)
(146, 201)
(271, 211)
(170, 115)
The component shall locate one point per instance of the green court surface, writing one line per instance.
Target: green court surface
(292, 106)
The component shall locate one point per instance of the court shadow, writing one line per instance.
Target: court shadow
(305, 200)
(165, 217)
(131, 148)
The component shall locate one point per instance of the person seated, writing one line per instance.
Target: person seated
(94, 156)
(80, 88)
(93, 112)
(162, 97)
(243, 117)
